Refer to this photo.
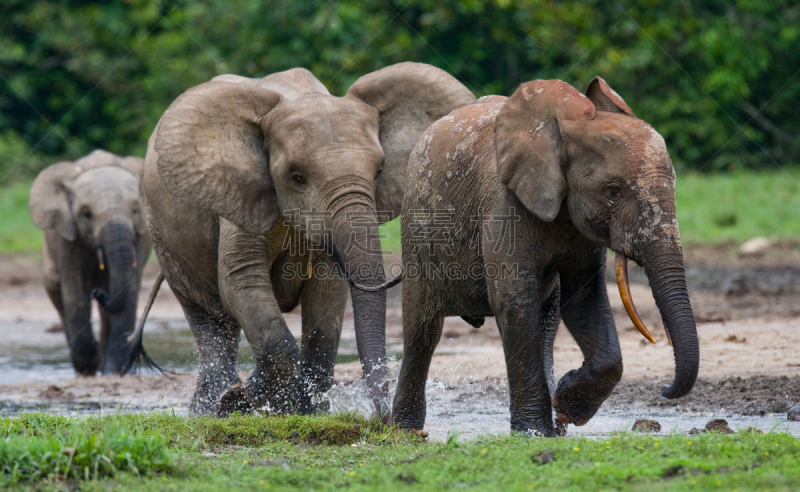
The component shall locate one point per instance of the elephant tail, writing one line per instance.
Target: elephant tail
(137, 356)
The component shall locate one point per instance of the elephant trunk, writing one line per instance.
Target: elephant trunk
(119, 256)
(664, 268)
(357, 249)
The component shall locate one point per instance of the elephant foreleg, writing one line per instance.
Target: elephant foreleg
(323, 303)
(517, 310)
(587, 315)
(52, 281)
(550, 316)
(77, 306)
(247, 294)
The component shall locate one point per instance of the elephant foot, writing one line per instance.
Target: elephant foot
(282, 396)
(408, 421)
(575, 414)
(88, 362)
(579, 397)
(536, 422)
(232, 400)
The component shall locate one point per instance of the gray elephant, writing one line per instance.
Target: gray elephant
(95, 245)
(531, 190)
(263, 194)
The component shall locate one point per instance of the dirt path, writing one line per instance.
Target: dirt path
(748, 311)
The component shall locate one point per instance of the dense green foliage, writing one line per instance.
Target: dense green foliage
(716, 78)
(204, 454)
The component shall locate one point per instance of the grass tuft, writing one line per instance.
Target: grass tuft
(36, 448)
(248, 452)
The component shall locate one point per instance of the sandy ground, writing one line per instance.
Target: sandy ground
(747, 308)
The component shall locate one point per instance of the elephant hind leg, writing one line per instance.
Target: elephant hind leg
(217, 337)
(422, 329)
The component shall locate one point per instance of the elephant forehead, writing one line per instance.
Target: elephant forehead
(312, 123)
(633, 145)
(113, 182)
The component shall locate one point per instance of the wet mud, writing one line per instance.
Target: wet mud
(747, 309)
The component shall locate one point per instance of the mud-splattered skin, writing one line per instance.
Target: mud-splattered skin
(241, 177)
(575, 175)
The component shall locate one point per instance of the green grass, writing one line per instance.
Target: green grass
(736, 207)
(712, 208)
(166, 452)
(17, 232)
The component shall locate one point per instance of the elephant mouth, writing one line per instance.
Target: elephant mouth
(621, 263)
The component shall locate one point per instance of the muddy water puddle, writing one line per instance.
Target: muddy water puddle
(469, 410)
(31, 353)
(475, 408)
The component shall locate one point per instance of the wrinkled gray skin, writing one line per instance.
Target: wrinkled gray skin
(241, 177)
(86, 206)
(580, 174)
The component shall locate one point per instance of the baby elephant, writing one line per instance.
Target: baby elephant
(509, 197)
(95, 245)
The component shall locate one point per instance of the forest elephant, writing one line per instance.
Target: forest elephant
(263, 194)
(532, 189)
(95, 245)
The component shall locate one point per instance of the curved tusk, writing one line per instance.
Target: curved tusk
(389, 283)
(310, 263)
(627, 300)
(100, 259)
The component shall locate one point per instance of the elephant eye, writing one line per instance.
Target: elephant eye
(86, 214)
(298, 179)
(614, 192)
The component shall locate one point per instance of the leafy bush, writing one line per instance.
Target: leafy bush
(717, 79)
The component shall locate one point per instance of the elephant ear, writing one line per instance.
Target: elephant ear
(409, 97)
(531, 156)
(605, 98)
(210, 151)
(290, 84)
(49, 199)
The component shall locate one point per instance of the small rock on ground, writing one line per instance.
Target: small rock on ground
(646, 425)
(719, 425)
(544, 457)
(755, 246)
(794, 413)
